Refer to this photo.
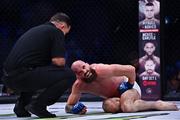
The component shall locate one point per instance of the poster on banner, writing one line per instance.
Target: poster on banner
(149, 49)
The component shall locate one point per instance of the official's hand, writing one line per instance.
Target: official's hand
(124, 86)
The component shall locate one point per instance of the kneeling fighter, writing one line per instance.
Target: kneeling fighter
(115, 83)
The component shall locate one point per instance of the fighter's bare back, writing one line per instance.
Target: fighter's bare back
(105, 85)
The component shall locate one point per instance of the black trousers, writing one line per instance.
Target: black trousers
(54, 80)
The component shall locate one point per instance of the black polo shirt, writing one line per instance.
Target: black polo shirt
(36, 47)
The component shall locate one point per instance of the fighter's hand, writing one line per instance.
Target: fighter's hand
(124, 86)
(84, 110)
(79, 108)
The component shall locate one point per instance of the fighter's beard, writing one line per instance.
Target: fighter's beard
(92, 77)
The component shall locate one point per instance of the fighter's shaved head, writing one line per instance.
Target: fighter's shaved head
(76, 65)
(111, 105)
(84, 71)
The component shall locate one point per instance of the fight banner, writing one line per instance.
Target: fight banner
(149, 49)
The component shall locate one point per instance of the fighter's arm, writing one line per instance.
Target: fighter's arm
(120, 70)
(128, 71)
(73, 105)
(75, 94)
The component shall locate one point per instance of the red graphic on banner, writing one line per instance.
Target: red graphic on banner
(149, 83)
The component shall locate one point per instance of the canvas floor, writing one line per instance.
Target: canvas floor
(95, 112)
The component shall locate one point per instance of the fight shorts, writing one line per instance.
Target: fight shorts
(136, 86)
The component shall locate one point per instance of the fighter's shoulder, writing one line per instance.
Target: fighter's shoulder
(99, 65)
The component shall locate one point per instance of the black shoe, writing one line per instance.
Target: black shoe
(20, 111)
(39, 111)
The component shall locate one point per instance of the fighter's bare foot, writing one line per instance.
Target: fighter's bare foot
(161, 105)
